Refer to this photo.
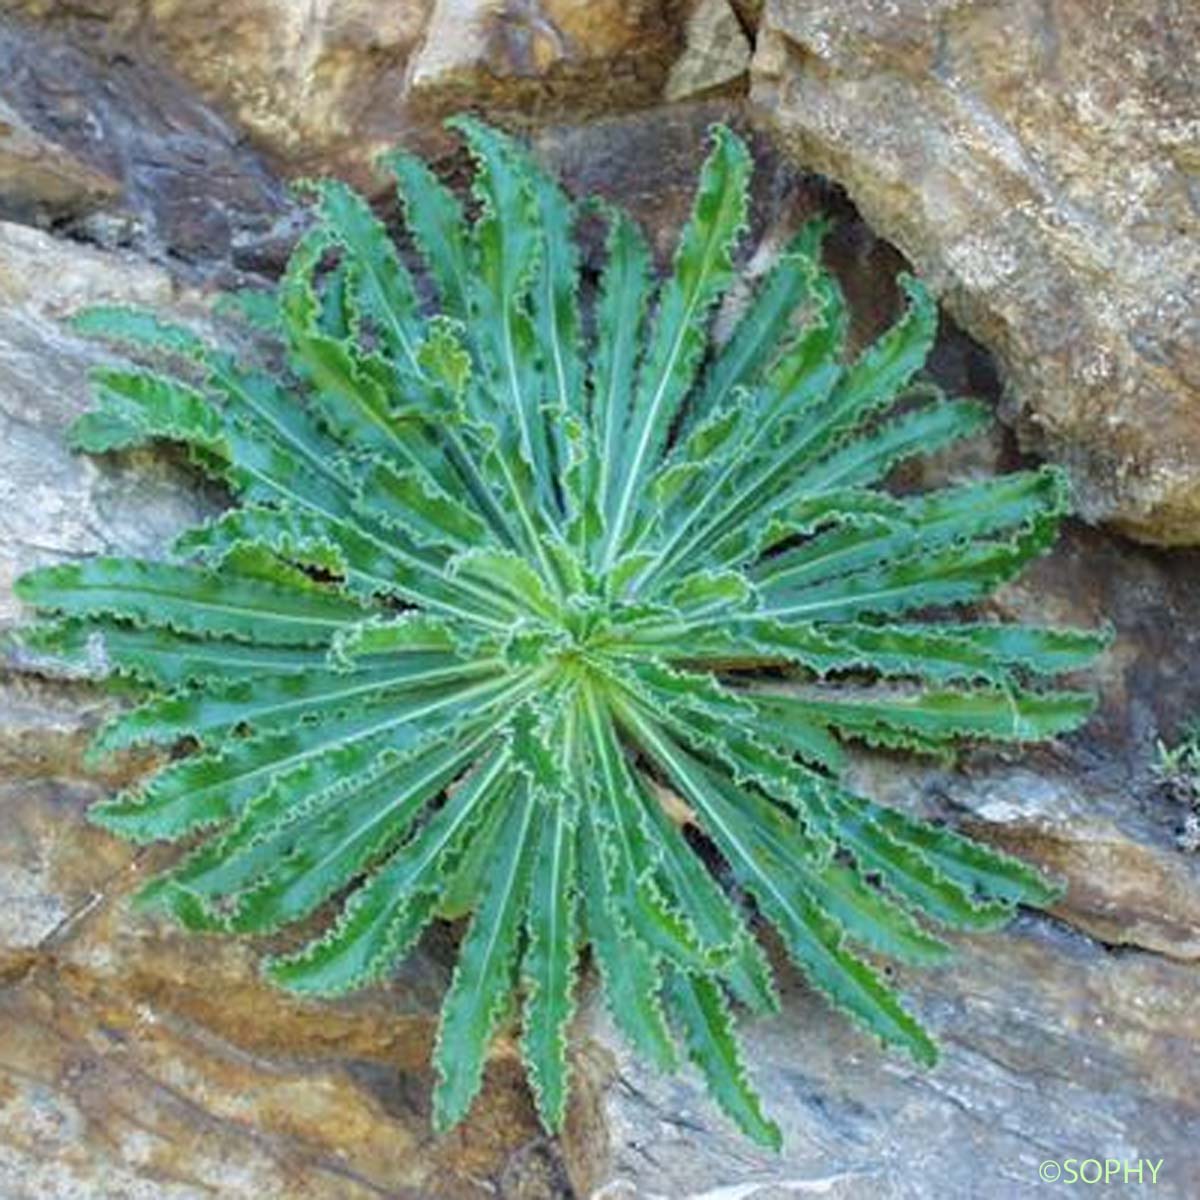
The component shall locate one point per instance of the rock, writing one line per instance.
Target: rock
(1050, 1051)
(749, 13)
(137, 1060)
(141, 1062)
(54, 504)
(160, 171)
(1122, 892)
(40, 181)
(1035, 161)
(298, 77)
(48, 278)
(544, 57)
(716, 52)
(328, 86)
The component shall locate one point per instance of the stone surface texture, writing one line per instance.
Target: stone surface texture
(41, 180)
(181, 185)
(1033, 161)
(1037, 162)
(716, 52)
(333, 82)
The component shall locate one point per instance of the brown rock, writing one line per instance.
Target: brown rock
(295, 76)
(40, 180)
(1036, 162)
(544, 57)
(135, 1058)
(328, 86)
(1120, 891)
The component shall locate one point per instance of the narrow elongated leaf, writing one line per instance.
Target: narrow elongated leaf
(138, 327)
(483, 977)
(548, 967)
(382, 279)
(621, 307)
(630, 972)
(384, 916)
(436, 220)
(161, 657)
(1005, 715)
(191, 601)
(136, 408)
(764, 324)
(812, 936)
(708, 1034)
(703, 269)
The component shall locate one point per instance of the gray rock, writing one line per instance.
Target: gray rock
(122, 153)
(53, 504)
(1050, 1051)
(716, 52)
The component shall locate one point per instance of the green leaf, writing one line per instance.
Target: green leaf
(138, 327)
(159, 656)
(703, 270)
(135, 408)
(283, 858)
(630, 971)
(353, 390)
(484, 975)
(408, 501)
(813, 938)
(383, 283)
(934, 716)
(979, 869)
(708, 1033)
(507, 246)
(435, 219)
(192, 601)
(765, 322)
(385, 915)
(268, 702)
(548, 966)
(308, 864)
(625, 287)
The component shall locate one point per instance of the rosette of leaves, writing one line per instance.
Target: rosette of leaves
(559, 616)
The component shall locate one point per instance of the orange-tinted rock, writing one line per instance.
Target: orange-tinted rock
(1036, 162)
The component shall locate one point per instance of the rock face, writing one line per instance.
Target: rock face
(716, 52)
(1037, 1032)
(1036, 161)
(119, 154)
(297, 76)
(53, 504)
(40, 180)
(137, 1062)
(330, 84)
(589, 56)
